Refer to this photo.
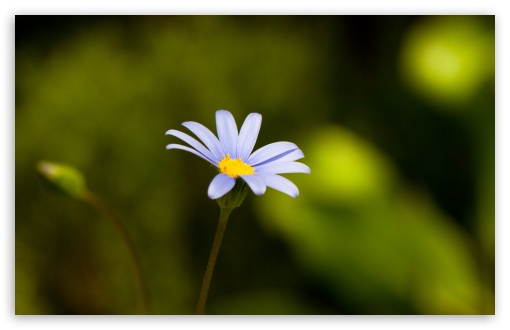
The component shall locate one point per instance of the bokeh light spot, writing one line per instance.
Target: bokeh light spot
(447, 59)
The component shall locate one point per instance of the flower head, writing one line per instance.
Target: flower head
(231, 153)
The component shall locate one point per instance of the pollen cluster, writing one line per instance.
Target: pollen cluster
(234, 167)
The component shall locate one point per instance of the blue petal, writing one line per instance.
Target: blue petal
(227, 132)
(290, 157)
(281, 184)
(193, 151)
(207, 137)
(220, 185)
(256, 183)
(269, 151)
(248, 135)
(194, 143)
(282, 167)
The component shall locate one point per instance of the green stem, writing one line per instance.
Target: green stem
(222, 224)
(109, 214)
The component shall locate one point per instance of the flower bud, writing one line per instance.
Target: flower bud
(64, 178)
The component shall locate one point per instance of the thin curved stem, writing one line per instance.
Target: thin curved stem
(222, 224)
(109, 214)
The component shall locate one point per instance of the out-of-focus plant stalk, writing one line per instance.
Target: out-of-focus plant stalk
(71, 182)
(111, 216)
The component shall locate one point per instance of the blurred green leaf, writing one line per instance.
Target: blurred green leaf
(375, 243)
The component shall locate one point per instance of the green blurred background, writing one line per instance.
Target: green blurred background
(395, 116)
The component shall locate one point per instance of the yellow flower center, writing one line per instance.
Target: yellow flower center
(234, 167)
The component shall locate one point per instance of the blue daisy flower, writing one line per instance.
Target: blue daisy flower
(231, 153)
